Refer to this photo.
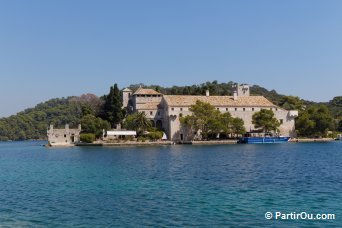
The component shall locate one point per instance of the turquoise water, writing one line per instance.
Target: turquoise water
(202, 186)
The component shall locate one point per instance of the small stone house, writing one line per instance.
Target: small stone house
(63, 137)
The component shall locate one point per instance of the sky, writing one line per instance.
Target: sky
(61, 48)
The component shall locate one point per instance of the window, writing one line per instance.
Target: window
(281, 121)
(252, 109)
(276, 109)
(64, 136)
(235, 109)
(226, 109)
(218, 109)
(143, 112)
(181, 109)
(244, 109)
(151, 113)
(158, 113)
(172, 109)
(180, 115)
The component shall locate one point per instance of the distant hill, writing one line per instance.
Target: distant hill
(32, 123)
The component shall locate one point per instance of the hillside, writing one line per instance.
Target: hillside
(32, 123)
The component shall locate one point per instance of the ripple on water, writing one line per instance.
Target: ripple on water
(232, 185)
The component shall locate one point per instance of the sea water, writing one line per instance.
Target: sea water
(179, 185)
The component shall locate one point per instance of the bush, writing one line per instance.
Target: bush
(87, 137)
(141, 139)
(155, 135)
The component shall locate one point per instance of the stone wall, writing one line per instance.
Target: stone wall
(65, 136)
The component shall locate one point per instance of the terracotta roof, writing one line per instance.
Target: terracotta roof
(146, 92)
(148, 105)
(217, 101)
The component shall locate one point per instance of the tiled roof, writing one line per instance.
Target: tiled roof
(148, 105)
(142, 91)
(217, 101)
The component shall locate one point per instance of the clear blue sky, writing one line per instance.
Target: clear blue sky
(60, 48)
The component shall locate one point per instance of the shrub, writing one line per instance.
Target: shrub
(155, 135)
(141, 139)
(87, 137)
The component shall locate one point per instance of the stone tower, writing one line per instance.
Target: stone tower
(126, 96)
(241, 90)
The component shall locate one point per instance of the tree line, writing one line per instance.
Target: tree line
(97, 113)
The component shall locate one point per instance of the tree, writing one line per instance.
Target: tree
(238, 127)
(89, 103)
(112, 109)
(137, 121)
(320, 115)
(205, 118)
(211, 122)
(304, 125)
(291, 103)
(227, 123)
(336, 101)
(265, 120)
(95, 125)
(339, 126)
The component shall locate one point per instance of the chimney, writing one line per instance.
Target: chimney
(207, 94)
(79, 127)
(235, 95)
(66, 126)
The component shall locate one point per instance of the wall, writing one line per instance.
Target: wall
(286, 129)
(63, 136)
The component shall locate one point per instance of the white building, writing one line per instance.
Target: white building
(164, 111)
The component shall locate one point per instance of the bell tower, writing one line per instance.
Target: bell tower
(126, 96)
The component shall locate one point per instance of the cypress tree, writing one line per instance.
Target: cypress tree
(112, 108)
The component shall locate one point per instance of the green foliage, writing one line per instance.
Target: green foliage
(87, 137)
(33, 122)
(336, 101)
(265, 120)
(112, 109)
(335, 107)
(141, 139)
(211, 122)
(138, 122)
(95, 125)
(291, 103)
(154, 134)
(314, 121)
(339, 126)
(238, 126)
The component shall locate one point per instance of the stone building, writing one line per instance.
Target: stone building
(63, 137)
(164, 111)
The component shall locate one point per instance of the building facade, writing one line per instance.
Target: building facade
(164, 111)
(63, 137)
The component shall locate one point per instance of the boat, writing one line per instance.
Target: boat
(259, 137)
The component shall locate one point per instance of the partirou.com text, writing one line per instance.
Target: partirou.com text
(278, 215)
